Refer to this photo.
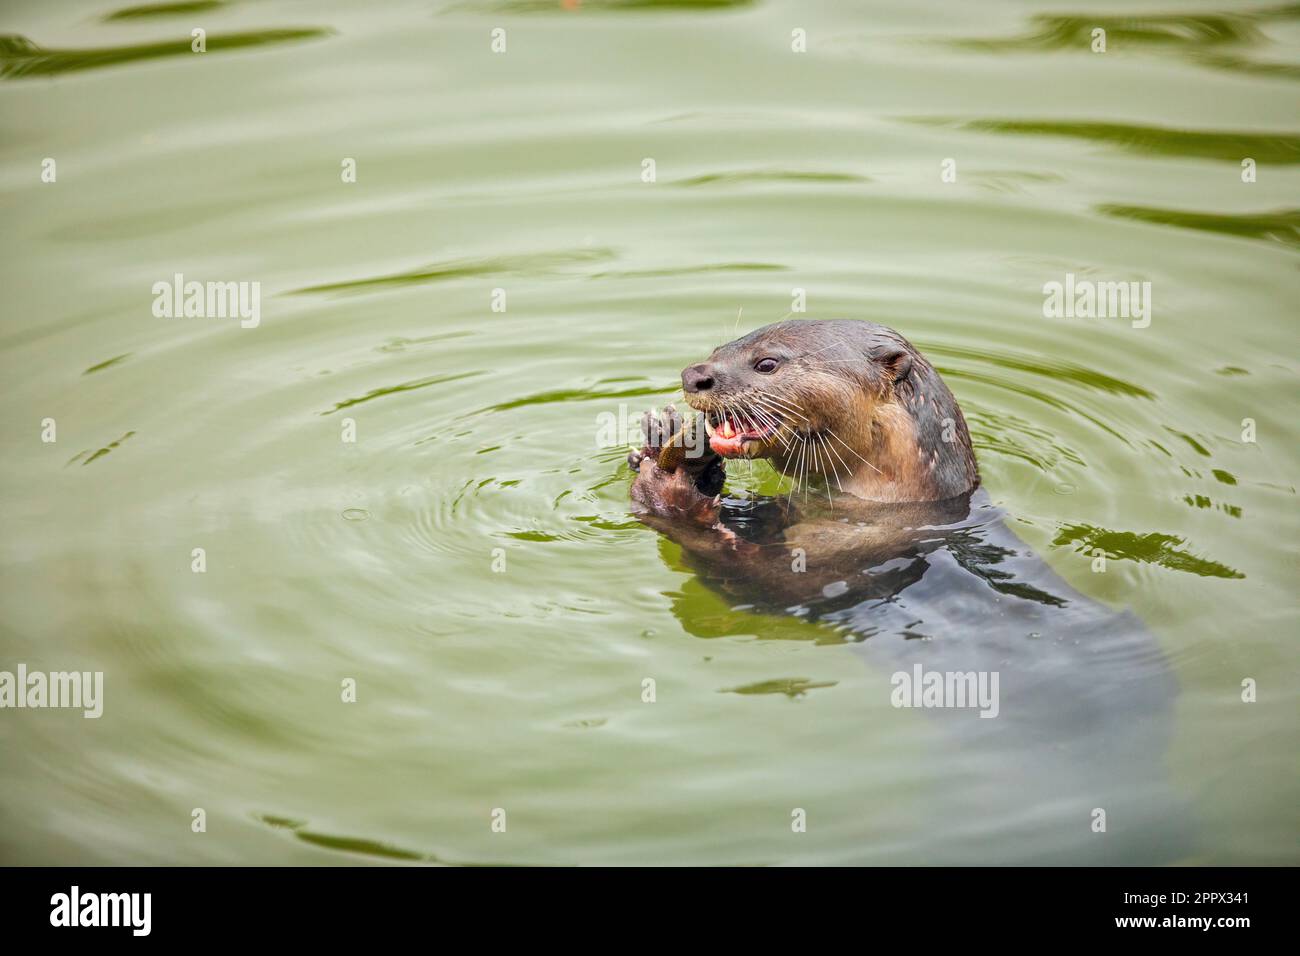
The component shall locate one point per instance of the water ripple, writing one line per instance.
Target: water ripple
(386, 390)
(541, 263)
(20, 57)
(1230, 146)
(1202, 38)
(1281, 226)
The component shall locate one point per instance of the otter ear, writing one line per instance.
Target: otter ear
(896, 362)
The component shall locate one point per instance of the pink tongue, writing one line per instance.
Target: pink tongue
(726, 446)
(725, 439)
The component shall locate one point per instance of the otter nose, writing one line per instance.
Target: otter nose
(698, 378)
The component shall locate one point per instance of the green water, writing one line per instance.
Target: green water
(476, 429)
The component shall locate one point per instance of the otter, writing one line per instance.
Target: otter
(852, 400)
(865, 426)
(850, 409)
(887, 537)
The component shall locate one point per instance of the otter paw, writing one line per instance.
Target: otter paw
(658, 429)
(709, 473)
(678, 444)
(672, 494)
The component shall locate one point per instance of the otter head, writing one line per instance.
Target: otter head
(850, 402)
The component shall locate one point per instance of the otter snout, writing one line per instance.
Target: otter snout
(698, 378)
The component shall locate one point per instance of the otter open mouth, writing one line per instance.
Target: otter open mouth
(729, 434)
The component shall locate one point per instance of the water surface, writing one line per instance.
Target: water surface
(476, 430)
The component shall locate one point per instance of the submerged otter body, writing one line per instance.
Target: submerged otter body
(888, 539)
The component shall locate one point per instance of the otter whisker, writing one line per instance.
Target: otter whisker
(756, 396)
(764, 414)
(831, 448)
(778, 416)
(778, 407)
(765, 421)
(826, 480)
(850, 449)
(798, 472)
(746, 420)
(780, 412)
(785, 433)
(805, 459)
(838, 483)
(782, 400)
(759, 413)
(786, 437)
(794, 487)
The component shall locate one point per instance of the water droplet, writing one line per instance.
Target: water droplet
(1064, 488)
(356, 514)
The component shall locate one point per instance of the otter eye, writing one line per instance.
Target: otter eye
(766, 365)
